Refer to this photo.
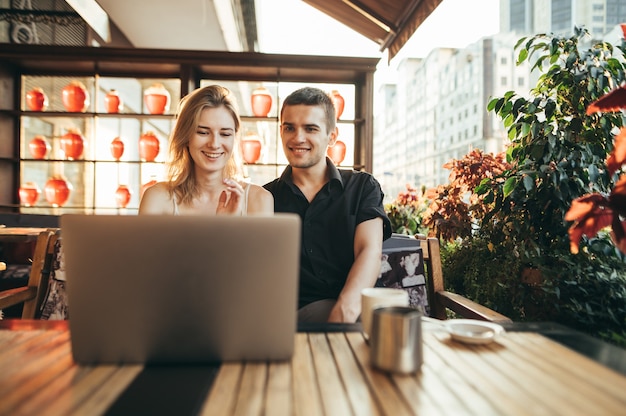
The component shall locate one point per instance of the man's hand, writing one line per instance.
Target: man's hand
(345, 311)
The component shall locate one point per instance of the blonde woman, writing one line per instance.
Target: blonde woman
(204, 170)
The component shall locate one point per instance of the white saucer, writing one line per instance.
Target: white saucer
(473, 331)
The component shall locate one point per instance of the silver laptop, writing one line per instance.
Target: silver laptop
(181, 289)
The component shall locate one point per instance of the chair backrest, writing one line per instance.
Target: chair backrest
(40, 276)
(440, 300)
(434, 275)
(32, 295)
(402, 267)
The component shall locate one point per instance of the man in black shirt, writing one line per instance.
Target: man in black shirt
(343, 217)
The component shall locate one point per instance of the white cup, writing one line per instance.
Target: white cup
(376, 297)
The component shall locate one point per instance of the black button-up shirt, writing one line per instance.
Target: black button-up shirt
(328, 226)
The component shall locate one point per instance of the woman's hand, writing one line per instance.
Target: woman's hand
(231, 199)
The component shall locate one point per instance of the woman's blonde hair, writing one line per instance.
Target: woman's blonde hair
(182, 182)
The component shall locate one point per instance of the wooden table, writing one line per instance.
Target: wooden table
(523, 373)
(19, 234)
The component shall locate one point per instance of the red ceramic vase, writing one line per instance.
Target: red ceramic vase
(148, 147)
(113, 102)
(122, 196)
(38, 147)
(251, 149)
(75, 97)
(72, 145)
(29, 193)
(36, 100)
(157, 99)
(261, 101)
(117, 148)
(57, 191)
(338, 101)
(337, 152)
(147, 185)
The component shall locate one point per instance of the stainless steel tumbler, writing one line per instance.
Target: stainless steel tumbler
(396, 341)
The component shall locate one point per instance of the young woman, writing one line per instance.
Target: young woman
(204, 170)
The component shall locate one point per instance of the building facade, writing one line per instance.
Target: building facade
(561, 16)
(437, 109)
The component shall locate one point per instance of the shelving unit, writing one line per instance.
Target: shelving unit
(96, 174)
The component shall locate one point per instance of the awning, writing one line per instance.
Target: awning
(390, 23)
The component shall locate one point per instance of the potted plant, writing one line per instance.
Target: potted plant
(405, 212)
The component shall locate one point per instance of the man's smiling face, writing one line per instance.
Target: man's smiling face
(304, 135)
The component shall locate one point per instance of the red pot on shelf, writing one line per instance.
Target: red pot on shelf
(148, 147)
(57, 191)
(117, 148)
(338, 101)
(337, 152)
(251, 148)
(29, 193)
(122, 196)
(38, 147)
(72, 144)
(75, 97)
(157, 99)
(36, 100)
(261, 101)
(113, 102)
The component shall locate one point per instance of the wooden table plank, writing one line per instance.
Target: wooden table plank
(40, 400)
(496, 388)
(24, 344)
(334, 396)
(446, 388)
(251, 390)
(21, 368)
(306, 392)
(105, 396)
(526, 363)
(381, 385)
(582, 394)
(580, 366)
(81, 389)
(279, 400)
(19, 234)
(223, 394)
(25, 389)
(357, 389)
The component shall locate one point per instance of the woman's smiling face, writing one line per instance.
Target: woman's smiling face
(211, 146)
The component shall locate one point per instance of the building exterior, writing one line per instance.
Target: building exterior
(437, 109)
(560, 16)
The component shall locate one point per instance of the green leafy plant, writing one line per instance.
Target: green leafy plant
(557, 151)
(557, 154)
(405, 212)
(593, 212)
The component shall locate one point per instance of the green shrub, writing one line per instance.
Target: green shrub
(557, 154)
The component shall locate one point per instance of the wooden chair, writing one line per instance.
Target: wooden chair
(439, 300)
(32, 295)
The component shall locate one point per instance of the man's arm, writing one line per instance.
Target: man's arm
(368, 246)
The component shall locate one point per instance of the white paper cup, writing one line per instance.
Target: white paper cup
(376, 297)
